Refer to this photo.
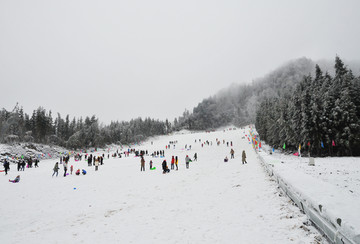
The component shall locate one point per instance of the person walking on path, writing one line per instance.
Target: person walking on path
(232, 153)
(142, 164)
(172, 162)
(176, 162)
(56, 169)
(244, 157)
(187, 161)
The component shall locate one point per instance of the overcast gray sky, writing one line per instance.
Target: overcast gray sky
(124, 59)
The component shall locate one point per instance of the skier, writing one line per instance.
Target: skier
(151, 164)
(187, 160)
(71, 169)
(56, 169)
(244, 157)
(16, 180)
(142, 164)
(172, 162)
(195, 157)
(232, 153)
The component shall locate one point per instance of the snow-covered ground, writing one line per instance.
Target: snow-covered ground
(331, 188)
(211, 202)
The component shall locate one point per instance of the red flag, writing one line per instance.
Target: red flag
(333, 143)
(308, 144)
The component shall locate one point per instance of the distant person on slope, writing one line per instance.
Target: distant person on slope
(195, 157)
(96, 163)
(232, 153)
(187, 161)
(176, 162)
(65, 168)
(142, 164)
(172, 162)
(56, 169)
(6, 166)
(165, 167)
(244, 157)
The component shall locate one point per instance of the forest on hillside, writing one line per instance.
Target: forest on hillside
(41, 127)
(320, 115)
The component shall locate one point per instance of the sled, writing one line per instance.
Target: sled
(153, 168)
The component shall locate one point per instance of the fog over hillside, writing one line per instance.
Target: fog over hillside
(237, 103)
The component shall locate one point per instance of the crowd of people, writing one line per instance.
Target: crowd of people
(98, 160)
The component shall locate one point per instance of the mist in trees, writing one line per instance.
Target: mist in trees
(238, 103)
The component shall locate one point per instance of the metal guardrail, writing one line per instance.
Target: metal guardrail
(332, 230)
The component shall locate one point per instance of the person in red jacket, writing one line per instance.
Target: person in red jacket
(172, 162)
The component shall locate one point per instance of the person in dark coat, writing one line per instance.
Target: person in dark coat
(6, 166)
(164, 167)
(23, 165)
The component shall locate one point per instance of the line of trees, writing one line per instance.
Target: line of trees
(322, 114)
(40, 127)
